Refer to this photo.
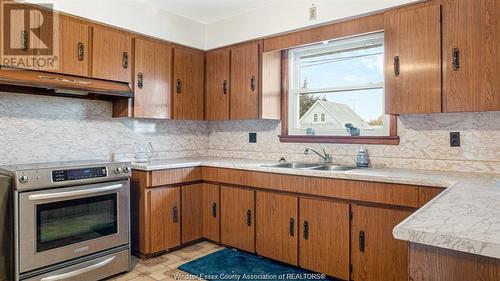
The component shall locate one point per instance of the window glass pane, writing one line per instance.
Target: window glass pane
(337, 88)
(345, 113)
(340, 69)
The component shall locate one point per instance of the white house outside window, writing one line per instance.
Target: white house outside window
(342, 82)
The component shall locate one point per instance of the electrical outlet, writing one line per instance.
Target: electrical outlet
(455, 139)
(312, 13)
(252, 137)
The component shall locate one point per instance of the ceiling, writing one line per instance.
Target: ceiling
(208, 11)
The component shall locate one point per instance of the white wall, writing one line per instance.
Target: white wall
(136, 16)
(285, 16)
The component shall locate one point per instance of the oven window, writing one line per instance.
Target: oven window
(67, 222)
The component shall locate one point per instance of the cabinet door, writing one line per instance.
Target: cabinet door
(375, 254)
(192, 213)
(217, 85)
(245, 81)
(211, 212)
(22, 51)
(165, 216)
(152, 79)
(471, 34)
(276, 226)
(413, 61)
(111, 54)
(188, 84)
(73, 47)
(237, 217)
(324, 237)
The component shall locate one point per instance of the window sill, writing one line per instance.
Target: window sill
(390, 140)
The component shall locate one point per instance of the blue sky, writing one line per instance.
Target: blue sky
(344, 69)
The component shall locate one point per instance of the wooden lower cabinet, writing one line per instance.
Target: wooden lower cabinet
(211, 211)
(375, 254)
(324, 237)
(192, 212)
(276, 226)
(237, 217)
(164, 219)
(429, 263)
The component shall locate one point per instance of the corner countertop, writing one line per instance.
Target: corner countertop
(465, 217)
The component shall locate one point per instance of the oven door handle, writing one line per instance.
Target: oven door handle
(78, 271)
(64, 194)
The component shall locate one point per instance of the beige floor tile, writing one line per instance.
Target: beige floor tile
(148, 269)
(159, 274)
(192, 248)
(165, 267)
(143, 278)
(207, 252)
(189, 254)
(127, 276)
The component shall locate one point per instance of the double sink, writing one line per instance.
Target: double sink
(309, 166)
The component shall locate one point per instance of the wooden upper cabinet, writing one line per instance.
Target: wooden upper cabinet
(324, 237)
(164, 219)
(237, 220)
(188, 84)
(375, 254)
(217, 85)
(471, 51)
(245, 81)
(152, 79)
(111, 54)
(276, 226)
(73, 47)
(413, 60)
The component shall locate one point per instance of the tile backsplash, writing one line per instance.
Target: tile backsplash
(41, 128)
(424, 144)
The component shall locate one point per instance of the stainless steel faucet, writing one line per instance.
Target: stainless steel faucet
(326, 157)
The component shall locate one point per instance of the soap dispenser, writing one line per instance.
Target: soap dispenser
(362, 158)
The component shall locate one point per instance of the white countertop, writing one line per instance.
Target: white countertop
(465, 217)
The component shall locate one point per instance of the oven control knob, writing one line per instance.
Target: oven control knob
(118, 170)
(23, 179)
(126, 170)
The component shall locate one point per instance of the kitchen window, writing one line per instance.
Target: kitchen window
(336, 89)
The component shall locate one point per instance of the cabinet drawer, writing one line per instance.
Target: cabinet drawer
(175, 176)
(376, 192)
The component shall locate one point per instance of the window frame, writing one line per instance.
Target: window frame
(391, 139)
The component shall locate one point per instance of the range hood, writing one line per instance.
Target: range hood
(37, 82)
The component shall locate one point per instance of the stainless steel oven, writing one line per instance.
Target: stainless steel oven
(71, 220)
(66, 223)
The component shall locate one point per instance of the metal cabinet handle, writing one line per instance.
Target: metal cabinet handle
(175, 215)
(178, 86)
(252, 83)
(292, 227)
(396, 66)
(81, 51)
(64, 194)
(24, 40)
(77, 272)
(455, 59)
(224, 87)
(125, 60)
(214, 210)
(306, 230)
(361, 241)
(140, 80)
(249, 217)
